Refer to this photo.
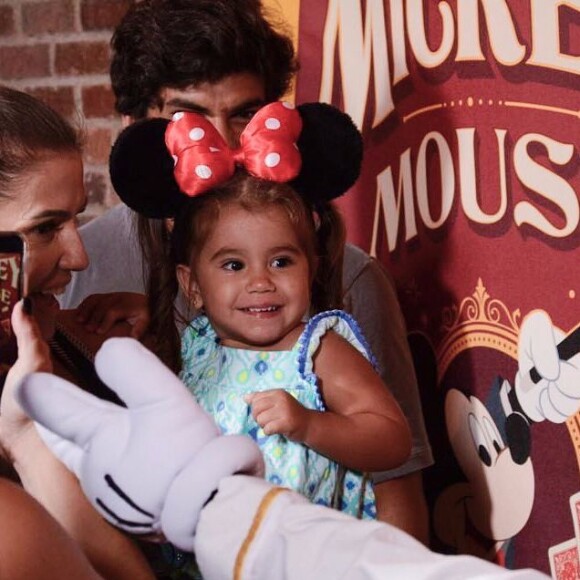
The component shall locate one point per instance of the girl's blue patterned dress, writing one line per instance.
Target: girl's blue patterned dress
(220, 376)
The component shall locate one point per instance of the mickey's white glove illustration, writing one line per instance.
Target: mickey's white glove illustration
(147, 468)
(548, 378)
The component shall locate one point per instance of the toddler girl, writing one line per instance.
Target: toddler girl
(247, 251)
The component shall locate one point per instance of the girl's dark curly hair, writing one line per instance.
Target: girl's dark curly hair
(182, 43)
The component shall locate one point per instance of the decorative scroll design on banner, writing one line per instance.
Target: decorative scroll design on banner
(481, 321)
(472, 101)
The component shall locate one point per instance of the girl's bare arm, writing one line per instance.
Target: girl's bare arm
(363, 429)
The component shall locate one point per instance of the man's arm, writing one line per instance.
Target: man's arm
(401, 502)
(370, 296)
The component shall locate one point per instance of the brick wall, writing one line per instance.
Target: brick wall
(58, 50)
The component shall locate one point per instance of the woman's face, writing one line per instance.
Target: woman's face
(43, 204)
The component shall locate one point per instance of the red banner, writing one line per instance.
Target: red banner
(469, 194)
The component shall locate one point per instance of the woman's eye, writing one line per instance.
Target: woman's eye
(233, 265)
(45, 231)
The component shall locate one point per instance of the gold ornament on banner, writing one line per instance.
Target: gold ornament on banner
(480, 321)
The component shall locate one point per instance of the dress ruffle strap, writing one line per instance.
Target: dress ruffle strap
(309, 341)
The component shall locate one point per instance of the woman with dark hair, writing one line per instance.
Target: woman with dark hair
(41, 193)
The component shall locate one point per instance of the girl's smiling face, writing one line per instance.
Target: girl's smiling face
(43, 205)
(252, 277)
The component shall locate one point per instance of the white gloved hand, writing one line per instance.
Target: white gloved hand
(556, 396)
(147, 468)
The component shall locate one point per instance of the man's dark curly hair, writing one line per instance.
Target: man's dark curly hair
(180, 43)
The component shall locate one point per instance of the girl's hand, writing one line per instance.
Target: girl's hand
(99, 312)
(33, 356)
(278, 412)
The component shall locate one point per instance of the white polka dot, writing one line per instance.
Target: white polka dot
(214, 149)
(272, 123)
(197, 134)
(203, 172)
(287, 105)
(272, 159)
(175, 159)
(177, 116)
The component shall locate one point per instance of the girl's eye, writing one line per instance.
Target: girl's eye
(281, 262)
(233, 265)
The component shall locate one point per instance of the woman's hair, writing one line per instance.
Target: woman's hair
(322, 242)
(29, 130)
(183, 43)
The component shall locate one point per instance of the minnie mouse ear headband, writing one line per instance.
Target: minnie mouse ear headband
(156, 164)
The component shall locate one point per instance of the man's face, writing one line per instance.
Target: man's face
(228, 104)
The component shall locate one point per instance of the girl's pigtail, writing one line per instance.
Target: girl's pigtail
(161, 290)
(332, 149)
(141, 170)
(330, 234)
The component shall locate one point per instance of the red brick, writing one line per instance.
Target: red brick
(95, 187)
(6, 21)
(47, 17)
(61, 99)
(103, 14)
(98, 146)
(82, 58)
(98, 101)
(18, 62)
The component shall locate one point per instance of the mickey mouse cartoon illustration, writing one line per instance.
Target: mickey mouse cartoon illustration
(493, 441)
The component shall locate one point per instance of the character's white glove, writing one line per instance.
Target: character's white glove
(147, 468)
(556, 394)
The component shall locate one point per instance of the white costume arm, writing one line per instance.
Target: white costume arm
(252, 530)
(151, 466)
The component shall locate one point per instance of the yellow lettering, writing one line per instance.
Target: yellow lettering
(546, 48)
(552, 187)
(447, 180)
(395, 203)
(501, 30)
(468, 180)
(356, 50)
(418, 37)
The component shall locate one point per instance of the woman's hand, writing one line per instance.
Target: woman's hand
(33, 356)
(100, 312)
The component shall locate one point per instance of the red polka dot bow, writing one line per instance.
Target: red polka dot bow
(267, 148)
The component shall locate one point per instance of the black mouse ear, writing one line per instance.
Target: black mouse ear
(141, 170)
(331, 147)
